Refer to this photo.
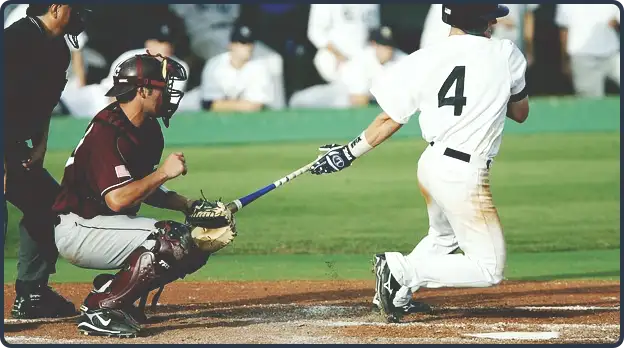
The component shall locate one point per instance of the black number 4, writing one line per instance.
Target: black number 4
(458, 101)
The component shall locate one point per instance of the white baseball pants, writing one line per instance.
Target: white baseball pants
(103, 242)
(461, 214)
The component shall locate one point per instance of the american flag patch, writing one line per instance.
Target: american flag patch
(122, 171)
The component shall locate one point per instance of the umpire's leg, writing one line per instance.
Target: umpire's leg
(33, 192)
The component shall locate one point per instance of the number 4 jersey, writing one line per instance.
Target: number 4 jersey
(461, 86)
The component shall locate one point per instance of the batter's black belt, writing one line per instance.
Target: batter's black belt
(462, 156)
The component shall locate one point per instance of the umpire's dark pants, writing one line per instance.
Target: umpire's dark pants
(33, 192)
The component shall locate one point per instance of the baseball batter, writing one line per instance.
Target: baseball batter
(339, 31)
(464, 86)
(112, 171)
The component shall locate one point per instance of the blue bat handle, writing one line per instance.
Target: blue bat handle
(253, 196)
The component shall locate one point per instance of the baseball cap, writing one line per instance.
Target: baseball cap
(242, 34)
(162, 34)
(383, 36)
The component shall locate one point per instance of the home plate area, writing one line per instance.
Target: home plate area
(341, 312)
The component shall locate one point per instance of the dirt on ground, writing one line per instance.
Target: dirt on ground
(341, 312)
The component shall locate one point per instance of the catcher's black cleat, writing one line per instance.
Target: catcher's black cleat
(35, 301)
(386, 287)
(107, 322)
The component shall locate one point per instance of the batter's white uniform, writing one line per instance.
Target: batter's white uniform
(345, 26)
(86, 101)
(355, 79)
(461, 85)
(220, 80)
(208, 25)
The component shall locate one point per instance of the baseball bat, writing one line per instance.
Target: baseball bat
(238, 204)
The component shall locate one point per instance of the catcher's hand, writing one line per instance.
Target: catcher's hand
(213, 226)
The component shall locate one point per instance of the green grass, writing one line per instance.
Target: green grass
(554, 192)
(521, 266)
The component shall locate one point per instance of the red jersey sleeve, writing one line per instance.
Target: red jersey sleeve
(109, 169)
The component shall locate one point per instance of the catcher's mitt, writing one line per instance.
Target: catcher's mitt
(213, 226)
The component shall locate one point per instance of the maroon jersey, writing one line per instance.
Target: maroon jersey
(112, 153)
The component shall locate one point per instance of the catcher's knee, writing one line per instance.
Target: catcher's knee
(177, 249)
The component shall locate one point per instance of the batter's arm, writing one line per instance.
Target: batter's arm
(382, 128)
(519, 110)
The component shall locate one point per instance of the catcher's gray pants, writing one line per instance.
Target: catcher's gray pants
(103, 242)
(590, 73)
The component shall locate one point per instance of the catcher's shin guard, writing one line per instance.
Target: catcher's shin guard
(128, 285)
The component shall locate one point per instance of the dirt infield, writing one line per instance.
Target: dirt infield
(340, 312)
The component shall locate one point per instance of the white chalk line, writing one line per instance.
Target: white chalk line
(326, 309)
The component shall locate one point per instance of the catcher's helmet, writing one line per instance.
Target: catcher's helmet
(146, 70)
(472, 16)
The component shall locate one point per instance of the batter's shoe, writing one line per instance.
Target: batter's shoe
(107, 322)
(412, 307)
(38, 300)
(386, 287)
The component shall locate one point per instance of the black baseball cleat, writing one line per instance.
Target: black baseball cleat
(412, 307)
(386, 287)
(36, 301)
(107, 322)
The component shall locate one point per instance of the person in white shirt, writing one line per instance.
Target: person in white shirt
(464, 87)
(351, 88)
(209, 26)
(85, 101)
(339, 31)
(590, 45)
(233, 81)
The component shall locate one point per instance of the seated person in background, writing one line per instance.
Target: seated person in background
(233, 81)
(339, 31)
(351, 89)
(83, 101)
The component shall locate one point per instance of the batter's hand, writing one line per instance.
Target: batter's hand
(334, 158)
(174, 165)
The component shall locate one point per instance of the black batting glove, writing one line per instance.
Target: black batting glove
(334, 158)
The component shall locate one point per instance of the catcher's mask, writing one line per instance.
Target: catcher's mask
(152, 71)
(77, 19)
(472, 18)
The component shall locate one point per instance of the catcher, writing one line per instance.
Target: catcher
(114, 169)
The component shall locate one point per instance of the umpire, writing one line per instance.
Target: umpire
(36, 58)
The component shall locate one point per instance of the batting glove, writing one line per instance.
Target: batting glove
(334, 158)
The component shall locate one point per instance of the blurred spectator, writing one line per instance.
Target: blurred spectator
(339, 31)
(590, 45)
(86, 101)
(208, 26)
(351, 88)
(233, 81)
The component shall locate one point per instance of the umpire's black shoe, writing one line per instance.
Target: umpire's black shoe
(386, 287)
(107, 322)
(35, 301)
